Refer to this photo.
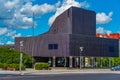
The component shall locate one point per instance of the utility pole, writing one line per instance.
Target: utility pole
(33, 38)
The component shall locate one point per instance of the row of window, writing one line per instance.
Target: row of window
(55, 46)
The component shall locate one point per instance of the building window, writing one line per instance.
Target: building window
(111, 49)
(52, 46)
(55, 46)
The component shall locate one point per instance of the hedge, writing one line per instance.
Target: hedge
(16, 66)
(4, 66)
(41, 66)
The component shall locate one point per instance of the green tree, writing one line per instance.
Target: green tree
(116, 61)
(10, 56)
(97, 62)
(105, 62)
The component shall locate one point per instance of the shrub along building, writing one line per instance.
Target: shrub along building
(71, 38)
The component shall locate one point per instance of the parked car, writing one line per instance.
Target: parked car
(116, 68)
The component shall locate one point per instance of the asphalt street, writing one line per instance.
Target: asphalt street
(78, 76)
(61, 74)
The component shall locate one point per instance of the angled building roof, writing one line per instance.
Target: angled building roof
(75, 21)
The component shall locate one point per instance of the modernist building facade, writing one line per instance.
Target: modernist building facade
(73, 34)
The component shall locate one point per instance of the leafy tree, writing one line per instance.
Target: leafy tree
(10, 56)
(105, 62)
(97, 62)
(116, 61)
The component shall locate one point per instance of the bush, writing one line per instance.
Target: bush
(16, 66)
(3, 66)
(41, 66)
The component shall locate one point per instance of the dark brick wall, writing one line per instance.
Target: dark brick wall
(98, 47)
(83, 22)
(41, 45)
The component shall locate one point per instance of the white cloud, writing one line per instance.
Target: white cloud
(20, 21)
(65, 5)
(3, 31)
(6, 33)
(102, 18)
(101, 30)
(16, 35)
(9, 42)
(8, 9)
(11, 4)
(13, 34)
(20, 12)
(39, 10)
(4, 12)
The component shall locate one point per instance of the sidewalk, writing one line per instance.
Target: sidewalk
(59, 71)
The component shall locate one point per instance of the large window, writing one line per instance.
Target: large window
(52, 46)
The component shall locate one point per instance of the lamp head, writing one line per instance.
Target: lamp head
(21, 43)
(81, 48)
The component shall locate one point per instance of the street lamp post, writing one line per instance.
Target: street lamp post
(81, 50)
(20, 67)
(33, 26)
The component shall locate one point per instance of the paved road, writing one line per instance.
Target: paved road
(77, 76)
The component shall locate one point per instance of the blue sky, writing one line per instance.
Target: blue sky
(16, 16)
